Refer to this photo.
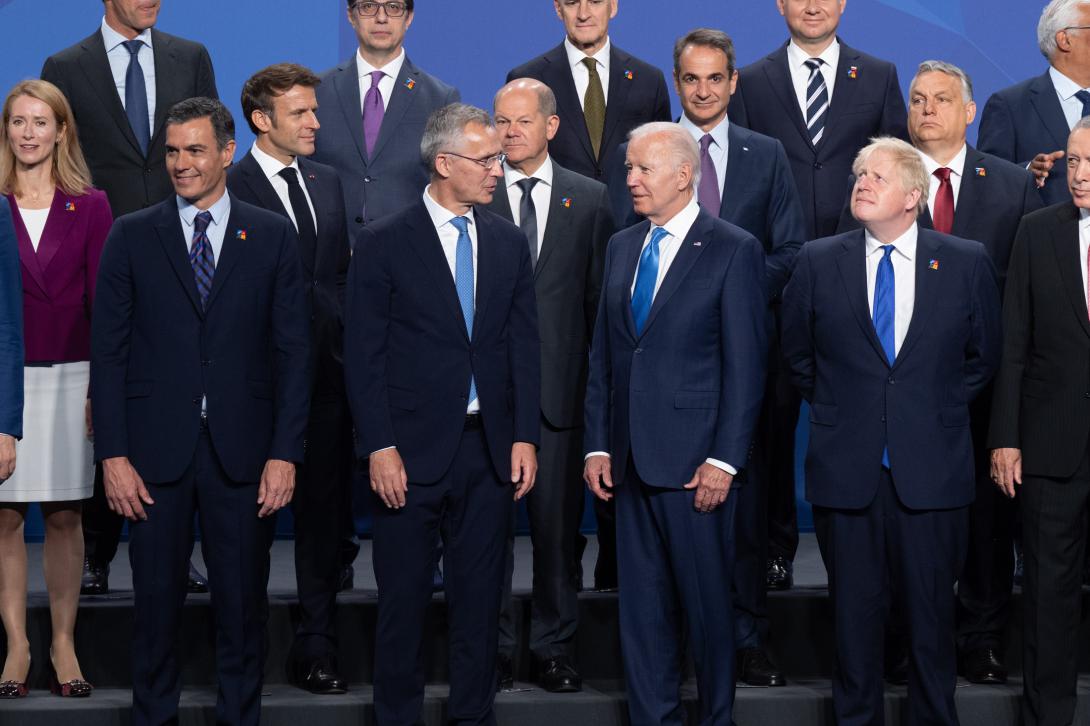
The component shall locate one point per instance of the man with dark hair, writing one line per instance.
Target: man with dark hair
(373, 108)
(281, 109)
(120, 102)
(201, 361)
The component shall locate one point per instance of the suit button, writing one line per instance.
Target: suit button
(367, 180)
(315, 283)
(883, 418)
(205, 363)
(1086, 395)
(359, 220)
(197, 400)
(638, 351)
(147, 171)
(817, 165)
(891, 380)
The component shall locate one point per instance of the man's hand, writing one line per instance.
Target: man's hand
(1042, 164)
(88, 422)
(7, 457)
(523, 468)
(598, 474)
(1007, 469)
(388, 478)
(125, 490)
(712, 486)
(276, 487)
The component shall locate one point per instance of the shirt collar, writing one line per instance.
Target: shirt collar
(905, 244)
(220, 210)
(392, 69)
(576, 56)
(269, 166)
(1066, 87)
(1084, 218)
(798, 57)
(111, 38)
(439, 214)
(956, 165)
(544, 174)
(679, 225)
(718, 134)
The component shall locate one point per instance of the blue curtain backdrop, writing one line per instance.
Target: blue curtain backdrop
(473, 43)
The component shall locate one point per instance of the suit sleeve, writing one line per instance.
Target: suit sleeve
(603, 230)
(344, 249)
(1031, 196)
(111, 332)
(98, 228)
(11, 329)
(1017, 334)
(983, 350)
(894, 113)
(51, 72)
(291, 338)
(206, 77)
(996, 134)
(524, 351)
(662, 101)
(785, 223)
(797, 326)
(743, 312)
(597, 407)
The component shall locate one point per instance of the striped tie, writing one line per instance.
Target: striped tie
(817, 101)
(201, 257)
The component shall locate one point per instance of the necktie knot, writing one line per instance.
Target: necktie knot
(289, 175)
(461, 224)
(376, 76)
(201, 222)
(592, 66)
(814, 64)
(705, 143)
(887, 250)
(942, 173)
(134, 46)
(527, 185)
(657, 235)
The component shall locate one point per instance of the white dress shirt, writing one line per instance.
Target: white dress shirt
(581, 75)
(386, 85)
(1084, 246)
(448, 237)
(34, 220)
(541, 194)
(800, 74)
(957, 169)
(904, 279)
(718, 151)
(271, 168)
(1065, 91)
(119, 57)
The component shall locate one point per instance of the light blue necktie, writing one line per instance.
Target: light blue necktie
(885, 297)
(644, 292)
(463, 282)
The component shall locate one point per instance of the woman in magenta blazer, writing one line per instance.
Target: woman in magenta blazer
(61, 225)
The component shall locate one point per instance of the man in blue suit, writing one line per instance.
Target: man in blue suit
(674, 392)
(11, 344)
(1028, 122)
(443, 367)
(890, 332)
(373, 108)
(201, 362)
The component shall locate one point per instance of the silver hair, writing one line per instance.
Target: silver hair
(445, 130)
(682, 147)
(937, 66)
(1056, 16)
(907, 160)
(546, 99)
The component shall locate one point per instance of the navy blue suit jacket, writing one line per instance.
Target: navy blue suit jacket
(11, 328)
(1025, 120)
(759, 195)
(865, 103)
(637, 95)
(394, 175)
(408, 357)
(689, 387)
(155, 353)
(919, 406)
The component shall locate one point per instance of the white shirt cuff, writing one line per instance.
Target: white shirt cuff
(723, 465)
(386, 448)
(597, 453)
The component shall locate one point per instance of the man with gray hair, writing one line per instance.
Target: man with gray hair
(1028, 123)
(443, 370)
(890, 331)
(677, 371)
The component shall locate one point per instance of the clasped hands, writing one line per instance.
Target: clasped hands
(711, 483)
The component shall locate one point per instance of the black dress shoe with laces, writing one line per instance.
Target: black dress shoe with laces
(320, 677)
(983, 666)
(505, 673)
(780, 574)
(95, 579)
(558, 675)
(196, 581)
(755, 668)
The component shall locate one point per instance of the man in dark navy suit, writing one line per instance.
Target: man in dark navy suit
(201, 362)
(677, 373)
(890, 333)
(443, 368)
(1028, 122)
(822, 100)
(280, 106)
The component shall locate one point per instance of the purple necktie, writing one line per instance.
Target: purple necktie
(373, 111)
(708, 192)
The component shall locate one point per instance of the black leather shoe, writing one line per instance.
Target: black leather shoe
(984, 666)
(348, 578)
(196, 582)
(505, 673)
(780, 574)
(755, 668)
(558, 675)
(321, 677)
(95, 579)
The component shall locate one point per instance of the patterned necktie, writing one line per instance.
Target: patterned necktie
(136, 97)
(304, 220)
(201, 257)
(644, 292)
(817, 101)
(528, 216)
(708, 191)
(594, 106)
(1084, 97)
(885, 298)
(463, 282)
(373, 111)
(942, 215)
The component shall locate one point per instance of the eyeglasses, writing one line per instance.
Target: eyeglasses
(1076, 27)
(370, 9)
(486, 162)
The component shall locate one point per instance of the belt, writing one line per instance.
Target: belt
(473, 422)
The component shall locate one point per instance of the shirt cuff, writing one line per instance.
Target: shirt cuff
(385, 448)
(597, 453)
(723, 465)
(10, 436)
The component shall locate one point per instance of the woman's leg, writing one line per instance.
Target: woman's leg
(63, 564)
(13, 591)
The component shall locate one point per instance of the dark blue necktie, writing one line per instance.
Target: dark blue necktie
(817, 101)
(885, 298)
(136, 97)
(201, 257)
(463, 282)
(1084, 97)
(644, 292)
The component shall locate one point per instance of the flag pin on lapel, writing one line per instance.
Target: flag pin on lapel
(410, 83)
(311, 177)
(981, 171)
(241, 234)
(566, 201)
(629, 75)
(933, 265)
(853, 72)
(69, 207)
(698, 243)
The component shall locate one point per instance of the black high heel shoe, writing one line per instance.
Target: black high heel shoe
(75, 688)
(15, 689)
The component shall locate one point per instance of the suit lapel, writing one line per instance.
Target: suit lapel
(233, 249)
(260, 185)
(631, 263)
(1069, 260)
(96, 67)
(1042, 95)
(166, 81)
(738, 167)
(559, 221)
(694, 244)
(315, 184)
(779, 80)
(852, 263)
(487, 267)
(346, 83)
(928, 286)
(844, 91)
(619, 87)
(970, 196)
(169, 231)
(27, 256)
(558, 77)
(424, 241)
(401, 100)
(57, 228)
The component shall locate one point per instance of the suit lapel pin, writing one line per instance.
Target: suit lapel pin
(629, 75)
(745, 148)
(566, 201)
(410, 83)
(981, 171)
(240, 234)
(698, 243)
(853, 72)
(933, 265)
(311, 177)
(69, 207)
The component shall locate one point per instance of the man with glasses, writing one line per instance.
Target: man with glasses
(443, 370)
(1029, 122)
(373, 108)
